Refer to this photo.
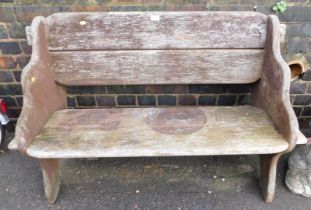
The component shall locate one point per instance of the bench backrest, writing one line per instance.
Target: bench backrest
(156, 47)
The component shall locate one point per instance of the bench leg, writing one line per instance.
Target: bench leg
(268, 169)
(51, 178)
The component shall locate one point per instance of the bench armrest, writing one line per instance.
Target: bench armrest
(272, 91)
(41, 95)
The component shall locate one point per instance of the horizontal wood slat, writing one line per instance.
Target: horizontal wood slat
(156, 30)
(133, 132)
(157, 67)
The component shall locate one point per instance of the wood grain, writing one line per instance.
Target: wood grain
(272, 92)
(272, 95)
(51, 178)
(268, 174)
(133, 132)
(41, 95)
(157, 67)
(155, 30)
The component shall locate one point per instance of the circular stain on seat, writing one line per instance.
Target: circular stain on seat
(177, 121)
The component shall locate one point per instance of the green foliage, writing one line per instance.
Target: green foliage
(279, 7)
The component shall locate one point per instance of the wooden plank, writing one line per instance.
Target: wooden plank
(268, 173)
(156, 30)
(51, 178)
(272, 92)
(41, 95)
(157, 66)
(13, 145)
(272, 95)
(175, 131)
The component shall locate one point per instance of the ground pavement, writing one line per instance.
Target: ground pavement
(224, 182)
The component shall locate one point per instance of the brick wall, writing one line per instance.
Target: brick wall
(15, 53)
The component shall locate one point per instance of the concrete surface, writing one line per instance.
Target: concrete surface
(298, 175)
(225, 182)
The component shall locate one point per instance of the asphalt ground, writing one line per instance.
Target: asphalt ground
(218, 182)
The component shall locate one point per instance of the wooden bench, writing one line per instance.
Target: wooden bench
(155, 48)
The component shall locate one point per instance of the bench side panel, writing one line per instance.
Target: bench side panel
(157, 67)
(156, 30)
(41, 95)
(272, 93)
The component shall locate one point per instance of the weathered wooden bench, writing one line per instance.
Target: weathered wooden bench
(155, 48)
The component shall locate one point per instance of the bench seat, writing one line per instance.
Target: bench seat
(176, 131)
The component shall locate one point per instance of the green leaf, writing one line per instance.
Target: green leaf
(279, 7)
(275, 8)
(283, 4)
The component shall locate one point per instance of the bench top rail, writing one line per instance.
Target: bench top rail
(155, 30)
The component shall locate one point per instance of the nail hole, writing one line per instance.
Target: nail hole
(296, 70)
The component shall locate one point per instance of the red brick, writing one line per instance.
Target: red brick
(6, 1)
(25, 48)
(105, 100)
(10, 101)
(6, 76)
(227, 100)
(27, 13)
(207, 100)
(10, 127)
(23, 61)
(304, 123)
(9, 48)
(6, 14)
(86, 101)
(166, 89)
(17, 75)
(71, 102)
(146, 100)
(10, 90)
(188, 100)
(7, 62)
(3, 32)
(126, 100)
(186, 7)
(297, 111)
(78, 8)
(297, 87)
(166, 100)
(14, 113)
(123, 2)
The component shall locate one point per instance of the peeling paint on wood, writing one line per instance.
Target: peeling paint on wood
(156, 30)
